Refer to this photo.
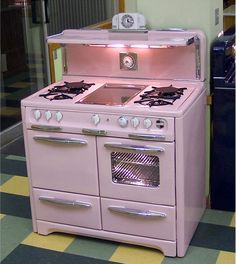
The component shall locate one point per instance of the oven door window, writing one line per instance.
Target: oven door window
(135, 169)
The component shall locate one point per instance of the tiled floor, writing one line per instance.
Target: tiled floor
(213, 242)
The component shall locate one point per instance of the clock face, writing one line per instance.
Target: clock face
(127, 21)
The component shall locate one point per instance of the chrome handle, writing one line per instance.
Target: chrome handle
(94, 132)
(61, 140)
(147, 137)
(136, 212)
(46, 128)
(135, 148)
(64, 202)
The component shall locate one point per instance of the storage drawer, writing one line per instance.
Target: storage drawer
(67, 208)
(139, 219)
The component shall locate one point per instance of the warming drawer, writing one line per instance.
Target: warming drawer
(67, 208)
(139, 219)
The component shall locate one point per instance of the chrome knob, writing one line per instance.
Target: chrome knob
(123, 121)
(95, 119)
(147, 123)
(134, 122)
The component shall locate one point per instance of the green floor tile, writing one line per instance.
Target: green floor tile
(13, 231)
(217, 217)
(195, 255)
(90, 247)
(15, 157)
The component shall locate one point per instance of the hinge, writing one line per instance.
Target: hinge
(197, 57)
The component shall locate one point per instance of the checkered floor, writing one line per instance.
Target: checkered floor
(213, 242)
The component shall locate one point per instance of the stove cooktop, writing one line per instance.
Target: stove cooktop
(81, 93)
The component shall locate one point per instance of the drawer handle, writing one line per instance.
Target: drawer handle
(135, 148)
(147, 137)
(64, 202)
(94, 132)
(136, 212)
(46, 128)
(61, 140)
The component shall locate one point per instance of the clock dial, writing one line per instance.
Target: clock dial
(127, 21)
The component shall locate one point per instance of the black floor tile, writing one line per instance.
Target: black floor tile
(15, 205)
(28, 255)
(15, 148)
(215, 237)
(13, 167)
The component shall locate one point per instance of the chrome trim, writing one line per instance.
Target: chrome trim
(135, 148)
(46, 128)
(150, 137)
(64, 201)
(136, 212)
(61, 140)
(94, 132)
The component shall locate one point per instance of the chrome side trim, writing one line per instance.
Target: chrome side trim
(64, 201)
(136, 212)
(135, 148)
(46, 128)
(61, 140)
(94, 132)
(150, 137)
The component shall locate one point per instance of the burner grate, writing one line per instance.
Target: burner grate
(160, 96)
(60, 92)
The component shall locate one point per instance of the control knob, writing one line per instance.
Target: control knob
(135, 122)
(123, 121)
(59, 116)
(147, 123)
(95, 119)
(48, 115)
(37, 114)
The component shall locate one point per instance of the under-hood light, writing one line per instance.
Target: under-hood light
(139, 46)
(97, 45)
(158, 46)
(116, 45)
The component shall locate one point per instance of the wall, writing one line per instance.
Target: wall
(206, 15)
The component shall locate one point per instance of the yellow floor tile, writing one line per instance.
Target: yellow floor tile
(137, 255)
(226, 258)
(16, 185)
(57, 242)
(1, 216)
(20, 85)
(233, 221)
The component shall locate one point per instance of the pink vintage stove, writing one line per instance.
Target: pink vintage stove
(116, 150)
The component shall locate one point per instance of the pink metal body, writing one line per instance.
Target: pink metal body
(69, 163)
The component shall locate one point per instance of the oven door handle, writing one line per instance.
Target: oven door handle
(61, 140)
(147, 137)
(46, 128)
(136, 212)
(64, 201)
(134, 148)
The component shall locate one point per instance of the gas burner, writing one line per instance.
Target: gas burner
(159, 96)
(60, 92)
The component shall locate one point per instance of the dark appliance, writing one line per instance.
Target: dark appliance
(222, 178)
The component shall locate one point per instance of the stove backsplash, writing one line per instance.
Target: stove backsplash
(124, 62)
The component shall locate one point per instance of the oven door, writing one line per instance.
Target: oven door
(137, 170)
(63, 162)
